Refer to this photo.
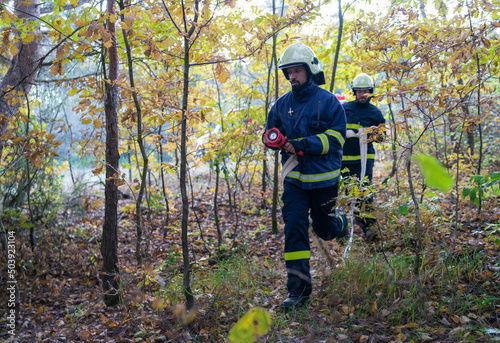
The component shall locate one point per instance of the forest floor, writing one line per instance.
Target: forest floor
(372, 296)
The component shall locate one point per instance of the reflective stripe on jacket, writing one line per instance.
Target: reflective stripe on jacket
(359, 116)
(296, 116)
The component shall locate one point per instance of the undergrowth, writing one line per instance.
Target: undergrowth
(367, 294)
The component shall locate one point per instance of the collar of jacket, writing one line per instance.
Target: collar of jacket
(303, 94)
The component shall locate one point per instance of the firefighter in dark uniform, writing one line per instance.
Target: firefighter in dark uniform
(362, 115)
(313, 121)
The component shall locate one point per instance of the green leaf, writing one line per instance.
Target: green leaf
(257, 21)
(434, 173)
(478, 179)
(465, 192)
(403, 209)
(473, 195)
(254, 324)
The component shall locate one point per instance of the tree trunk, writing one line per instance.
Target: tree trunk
(185, 201)
(109, 247)
(183, 155)
(276, 156)
(19, 77)
(138, 212)
(164, 190)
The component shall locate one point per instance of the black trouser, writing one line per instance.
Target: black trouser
(366, 205)
(326, 224)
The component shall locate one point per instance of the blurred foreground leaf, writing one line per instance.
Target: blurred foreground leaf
(254, 324)
(435, 174)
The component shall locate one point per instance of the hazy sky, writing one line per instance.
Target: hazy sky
(332, 7)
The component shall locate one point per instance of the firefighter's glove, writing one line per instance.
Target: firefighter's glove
(299, 146)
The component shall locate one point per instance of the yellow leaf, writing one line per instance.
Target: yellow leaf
(129, 21)
(81, 22)
(254, 324)
(72, 92)
(13, 49)
(412, 325)
(221, 73)
(28, 39)
(97, 124)
(8, 17)
(86, 120)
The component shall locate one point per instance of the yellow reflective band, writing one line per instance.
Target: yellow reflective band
(341, 219)
(354, 126)
(336, 135)
(324, 141)
(297, 255)
(314, 177)
(357, 158)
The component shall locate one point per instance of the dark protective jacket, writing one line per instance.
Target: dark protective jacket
(296, 114)
(359, 116)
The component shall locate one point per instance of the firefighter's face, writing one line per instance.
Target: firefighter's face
(362, 95)
(297, 75)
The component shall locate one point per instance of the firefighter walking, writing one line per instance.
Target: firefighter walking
(359, 153)
(314, 124)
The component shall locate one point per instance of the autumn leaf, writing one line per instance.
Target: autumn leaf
(254, 324)
(13, 49)
(57, 69)
(60, 53)
(97, 170)
(97, 124)
(230, 3)
(86, 120)
(221, 73)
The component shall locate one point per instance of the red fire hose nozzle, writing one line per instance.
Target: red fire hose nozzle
(276, 139)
